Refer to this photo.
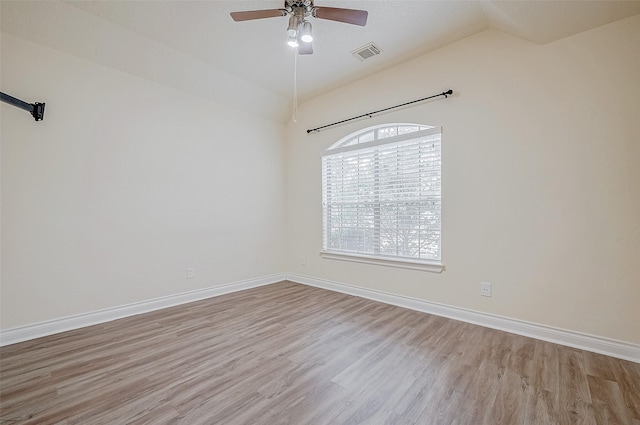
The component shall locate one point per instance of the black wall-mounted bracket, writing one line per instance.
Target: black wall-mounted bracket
(35, 109)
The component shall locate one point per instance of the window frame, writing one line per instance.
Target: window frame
(346, 145)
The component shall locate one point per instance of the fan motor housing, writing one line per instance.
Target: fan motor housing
(299, 3)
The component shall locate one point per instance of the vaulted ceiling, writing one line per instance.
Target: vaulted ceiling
(196, 47)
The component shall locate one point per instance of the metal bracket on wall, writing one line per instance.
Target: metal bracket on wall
(35, 109)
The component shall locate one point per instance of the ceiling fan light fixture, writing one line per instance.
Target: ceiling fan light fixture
(299, 30)
(307, 37)
(293, 41)
(292, 29)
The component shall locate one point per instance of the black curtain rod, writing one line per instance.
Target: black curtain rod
(35, 109)
(445, 94)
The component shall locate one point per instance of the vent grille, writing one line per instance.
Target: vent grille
(367, 51)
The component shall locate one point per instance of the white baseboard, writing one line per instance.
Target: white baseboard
(619, 349)
(50, 327)
(609, 347)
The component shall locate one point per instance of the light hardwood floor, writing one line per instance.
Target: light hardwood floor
(292, 354)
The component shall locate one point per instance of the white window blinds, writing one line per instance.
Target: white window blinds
(382, 198)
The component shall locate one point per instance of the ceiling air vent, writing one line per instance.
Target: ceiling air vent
(367, 51)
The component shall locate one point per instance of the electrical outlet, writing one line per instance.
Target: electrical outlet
(191, 273)
(485, 289)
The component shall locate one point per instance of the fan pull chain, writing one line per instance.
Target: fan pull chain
(295, 85)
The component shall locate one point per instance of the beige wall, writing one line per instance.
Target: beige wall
(124, 185)
(541, 177)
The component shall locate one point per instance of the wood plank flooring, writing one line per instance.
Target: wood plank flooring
(292, 354)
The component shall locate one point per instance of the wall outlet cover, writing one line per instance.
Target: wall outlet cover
(485, 289)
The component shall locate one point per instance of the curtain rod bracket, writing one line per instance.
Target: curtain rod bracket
(446, 95)
(35, 109)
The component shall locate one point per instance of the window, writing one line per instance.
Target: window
(381, 197)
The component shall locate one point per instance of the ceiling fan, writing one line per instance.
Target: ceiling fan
(299, 28)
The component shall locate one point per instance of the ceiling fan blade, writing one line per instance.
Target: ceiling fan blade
(305, 49)
(349, 16)
(257, 14)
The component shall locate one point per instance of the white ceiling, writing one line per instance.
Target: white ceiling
(196, 47)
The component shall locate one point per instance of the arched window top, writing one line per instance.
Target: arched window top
(378, 132)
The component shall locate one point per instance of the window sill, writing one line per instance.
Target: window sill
(426, 266)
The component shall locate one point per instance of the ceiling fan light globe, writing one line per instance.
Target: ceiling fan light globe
(293, 42)
(306, 32)
(292, 29)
